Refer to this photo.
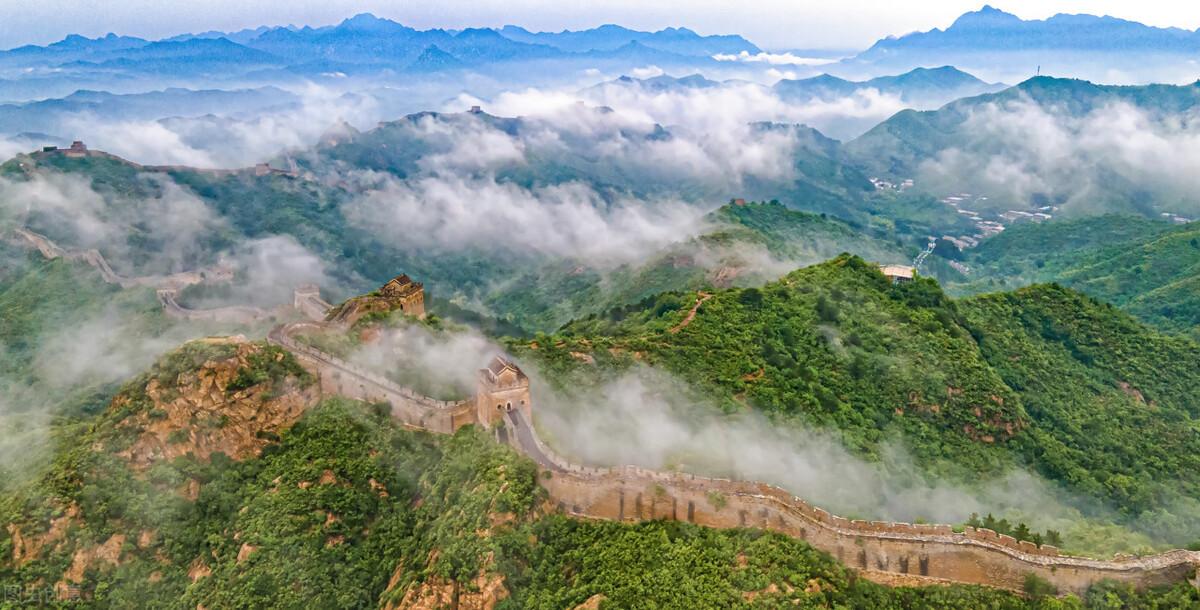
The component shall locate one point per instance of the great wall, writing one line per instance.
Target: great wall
(893, 553)
(79, 150)
(887, 552)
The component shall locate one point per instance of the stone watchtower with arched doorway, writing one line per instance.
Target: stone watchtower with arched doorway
(502, 387)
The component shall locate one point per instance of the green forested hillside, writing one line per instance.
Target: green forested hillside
(1045, 377)
(1149, 268)
(1112, 402)
(898, 145)
(343, 508)
(67, 341)
(524, 290)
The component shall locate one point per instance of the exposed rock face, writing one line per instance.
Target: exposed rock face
(105, 556)
(592, 603)
(161, 418)
(483, 593)
(197, 414)
(27, 548)
(435, 593)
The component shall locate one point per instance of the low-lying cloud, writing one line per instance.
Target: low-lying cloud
(225, 141)
(1116, 157)
(565, 220)
(647, 418)
(719, 112)
(775, 59)
(165, 218)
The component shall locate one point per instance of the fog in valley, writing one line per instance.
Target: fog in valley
(648, 418)
(1020, 152)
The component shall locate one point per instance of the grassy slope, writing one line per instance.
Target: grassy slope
(836, 344)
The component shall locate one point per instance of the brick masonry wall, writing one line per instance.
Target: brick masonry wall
(933, 551)
(631, 494)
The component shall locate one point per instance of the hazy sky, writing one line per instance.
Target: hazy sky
(772, 24)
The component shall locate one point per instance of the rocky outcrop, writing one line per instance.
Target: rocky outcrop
(198, 414)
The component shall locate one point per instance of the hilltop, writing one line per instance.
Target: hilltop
(961, 147)
(921, 86)
(1042, 376)
(898, 145)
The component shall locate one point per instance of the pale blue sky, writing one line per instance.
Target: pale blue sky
(770, 23)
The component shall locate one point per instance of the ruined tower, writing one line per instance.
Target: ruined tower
(306, 299)
(502, 387)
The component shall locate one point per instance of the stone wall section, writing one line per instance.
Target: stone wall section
(175, 281)
(343, 378)
(629, 494)
(932, 551)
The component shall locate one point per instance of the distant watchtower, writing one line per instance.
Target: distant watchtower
(409, 294)
(77, 150)
(502, 387)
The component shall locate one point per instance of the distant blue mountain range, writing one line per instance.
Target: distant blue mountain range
(366, 43)
(609, 37)
(944, 83)
(992, 42)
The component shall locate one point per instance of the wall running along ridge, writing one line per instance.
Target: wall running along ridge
(924, 553)
(932, 553)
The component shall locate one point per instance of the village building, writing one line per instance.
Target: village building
(898, 273)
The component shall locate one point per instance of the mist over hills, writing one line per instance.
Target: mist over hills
(920, 86)
(696, 248)
(1059, 142)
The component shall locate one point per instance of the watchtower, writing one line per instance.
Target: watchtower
(77, 149)
(408, 294)
(306, 298)
(502, 387)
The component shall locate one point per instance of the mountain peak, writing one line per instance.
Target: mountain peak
(986, 17)
(368, 22)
